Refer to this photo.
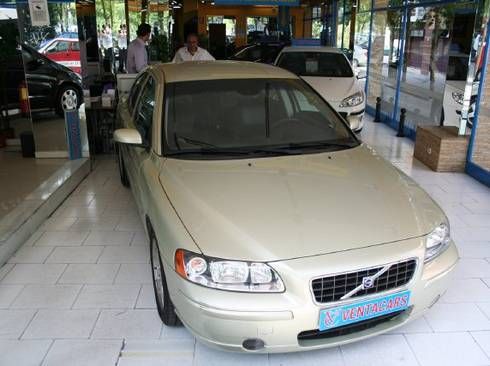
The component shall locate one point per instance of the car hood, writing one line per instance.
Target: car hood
(279, 208)
(333, 89)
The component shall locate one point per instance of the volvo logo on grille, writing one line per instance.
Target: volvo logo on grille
(367, 282)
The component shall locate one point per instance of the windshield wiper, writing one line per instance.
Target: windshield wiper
(231, 151)
(316, 144)
(192, 141)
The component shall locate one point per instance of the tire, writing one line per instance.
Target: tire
(122, 169)
(69, 98)
(166, 309)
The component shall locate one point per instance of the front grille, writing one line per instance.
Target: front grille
(348, 329)
(332, 288)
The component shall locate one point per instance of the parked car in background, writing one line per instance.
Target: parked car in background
(65, 51)
(50, 85)
(330, 73)
(271, 227)
(259, 52)
(456, 75)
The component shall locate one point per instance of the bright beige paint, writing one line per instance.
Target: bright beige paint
(308, 215)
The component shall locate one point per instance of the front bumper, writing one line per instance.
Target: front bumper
(225, 319)
(354, 116)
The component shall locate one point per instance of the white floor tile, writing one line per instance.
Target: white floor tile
(205, 356)
(105, 223)
(8, 293)
(485, 307)
(114, 324)
(474, 250)
(483, 340)
(107, 296)
(131, 254)
(472, 268)
(157, 353)
(134, 273)
(78, 254)
(14, 322)
(130, 223)
(61, 324)
(34, 238)
(6, 268)
(58, 223)
(83, 212)
(419, 325)
(46, 296)
(23, 353)
(83, 353)
(34, 273)
(62, 238)
(476, 220)
(146, 298)
(382, 350)
(178, 332)
(31, 254)
(140, 238)
(448, 349)
(109, 238)
(330, 357)
(93, 274)
(468, 290)
(457, 317)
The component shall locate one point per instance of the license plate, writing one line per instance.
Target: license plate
(363, 310)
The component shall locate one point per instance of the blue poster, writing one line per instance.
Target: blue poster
(73, 139)
(258, 2)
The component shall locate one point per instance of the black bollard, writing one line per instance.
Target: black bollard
(401, 125)
(377, 116)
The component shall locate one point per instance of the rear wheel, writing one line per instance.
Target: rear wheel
(165, 307)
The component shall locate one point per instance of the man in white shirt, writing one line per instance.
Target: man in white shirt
(192, 51)
(137, 56)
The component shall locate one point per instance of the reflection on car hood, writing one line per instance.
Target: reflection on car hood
(333, 89)
(279, 208)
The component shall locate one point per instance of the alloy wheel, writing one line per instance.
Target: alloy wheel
(69, 99)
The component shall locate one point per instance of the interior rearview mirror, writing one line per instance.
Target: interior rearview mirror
(128, 136)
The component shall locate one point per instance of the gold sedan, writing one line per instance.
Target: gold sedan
(272, 227)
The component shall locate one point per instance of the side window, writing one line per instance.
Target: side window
(144, 111)
(135, 91)
(75, 46)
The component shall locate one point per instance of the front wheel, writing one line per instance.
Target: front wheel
(165, 308)
(68, 99)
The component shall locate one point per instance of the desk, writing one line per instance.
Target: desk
(101, 123)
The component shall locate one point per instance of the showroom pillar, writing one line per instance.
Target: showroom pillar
(284, 21)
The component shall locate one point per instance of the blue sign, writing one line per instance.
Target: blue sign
(73, 139)
(258, 2)
(359, 311)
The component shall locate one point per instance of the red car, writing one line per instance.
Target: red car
(65, 51)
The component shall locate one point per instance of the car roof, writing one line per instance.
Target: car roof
(311, 49)
(217, 70)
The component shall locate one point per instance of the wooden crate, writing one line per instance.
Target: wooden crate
(440, 148)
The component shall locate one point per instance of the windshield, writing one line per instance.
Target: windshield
(326, 64)
(252, 116)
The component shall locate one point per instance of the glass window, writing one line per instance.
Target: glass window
(383, 63)
(248, 113)
(135, 91)
(145, 108)
(60, 46)
(75, 46)
(327, 64)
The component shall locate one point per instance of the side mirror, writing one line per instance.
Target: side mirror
(128, 136)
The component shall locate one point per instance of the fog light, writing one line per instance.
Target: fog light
(253, 344)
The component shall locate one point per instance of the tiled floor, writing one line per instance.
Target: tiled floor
(79, 291)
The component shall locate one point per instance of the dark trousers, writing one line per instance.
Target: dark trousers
(123, 52)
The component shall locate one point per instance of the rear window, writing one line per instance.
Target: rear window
(316, 64)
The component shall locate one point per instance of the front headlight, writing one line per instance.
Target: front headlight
(436, 242)
(458, 97)
(353, 100)
(227, 275)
